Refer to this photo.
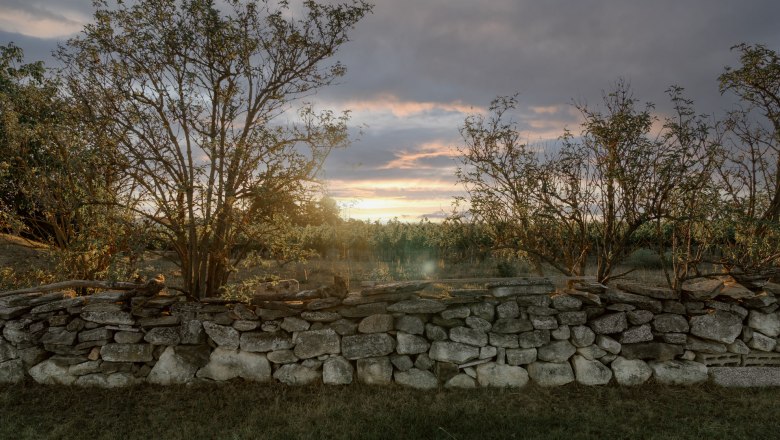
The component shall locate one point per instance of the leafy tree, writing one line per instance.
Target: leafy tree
(502, 177)
(53, 166)
(589, 197)
(750, 175)
(199, 100)
(686, 235)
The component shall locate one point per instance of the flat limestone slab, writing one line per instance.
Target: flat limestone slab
(745, 376)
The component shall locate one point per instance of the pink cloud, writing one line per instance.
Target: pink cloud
(411, 159)
(387, 102)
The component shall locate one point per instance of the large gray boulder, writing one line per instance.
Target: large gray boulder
(52, 372)
(639, 317)
(544, 322)
(483, 310)
(630, 372)
(508, 309)
(591, 352)
(561, 333)
(566, 303)
(533, 339)
(558, 351)
(608, 344)
(610, 323)
(582, 336)
(377, 323)
(178, 365)
(590, 372)
(296, 374)
(492, 374)
(294, 324)
(411, 344)
(418, 379)
(402, 362)
(15, 332)
(457, 312)
(313, 343)
(719, 326)
(98, 334)
(670, 323)
(766, 323)
(224, 336)
(410, 324)
(641, 333)
(762, 342)
(226, 364)
(435, 333)
(375, 370)
(469, 336)
(58, 336)
(344, 327)
(706, 289)
(549, 374)
(368, 345)
(503, 340)
(453, 352)
(461, 381)
(163, 336)
(738, 347)
(337, 371)
(678, 372)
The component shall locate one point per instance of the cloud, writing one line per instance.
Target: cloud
(416, 69)
(389, 103)
(41, 20)
(550, 51)
(420, 157)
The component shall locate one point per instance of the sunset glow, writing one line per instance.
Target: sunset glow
(416, 70)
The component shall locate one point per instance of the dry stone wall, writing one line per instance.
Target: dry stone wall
(506, 334)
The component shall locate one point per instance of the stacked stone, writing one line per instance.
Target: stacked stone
(59, 338)
(503, 335)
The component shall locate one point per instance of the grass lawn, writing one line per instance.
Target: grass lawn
(241, 410)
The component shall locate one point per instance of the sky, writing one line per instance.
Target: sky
(417, 68)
